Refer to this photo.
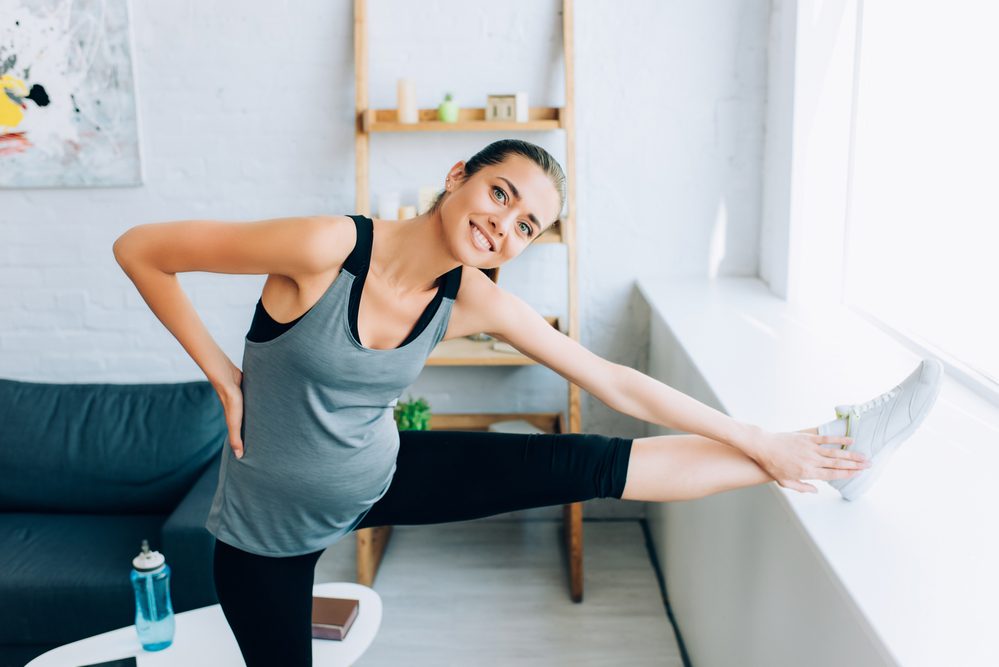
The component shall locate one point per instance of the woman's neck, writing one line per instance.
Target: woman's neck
(408, 256)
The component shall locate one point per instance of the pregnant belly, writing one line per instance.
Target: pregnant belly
(305, 474)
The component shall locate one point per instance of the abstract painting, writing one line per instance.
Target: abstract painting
(67, 95)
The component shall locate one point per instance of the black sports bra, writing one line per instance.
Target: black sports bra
(264, 328)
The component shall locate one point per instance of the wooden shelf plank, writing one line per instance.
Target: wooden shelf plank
(550, 422)
(467, 352)
(553, 235)
(470, 119)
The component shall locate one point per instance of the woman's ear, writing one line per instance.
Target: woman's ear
(457, 173)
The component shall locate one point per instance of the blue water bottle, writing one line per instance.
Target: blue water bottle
(153, 609)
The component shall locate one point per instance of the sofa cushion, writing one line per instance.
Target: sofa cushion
(117, 448)
(189, 546)
(64, 577)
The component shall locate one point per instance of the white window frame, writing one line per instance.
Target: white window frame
(814, 59)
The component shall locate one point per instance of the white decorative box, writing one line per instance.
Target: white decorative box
(507, 108)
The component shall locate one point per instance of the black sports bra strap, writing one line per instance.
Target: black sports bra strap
(453, 281)
(360, 256)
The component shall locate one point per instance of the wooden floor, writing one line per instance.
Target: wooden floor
(494, 592)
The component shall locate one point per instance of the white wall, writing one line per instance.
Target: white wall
(246, 113)
(745, 581)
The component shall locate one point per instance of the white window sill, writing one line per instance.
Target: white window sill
(919, 552)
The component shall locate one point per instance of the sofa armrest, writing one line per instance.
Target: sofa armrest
(189, 547)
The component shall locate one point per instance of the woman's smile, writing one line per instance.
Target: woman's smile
(480, 240)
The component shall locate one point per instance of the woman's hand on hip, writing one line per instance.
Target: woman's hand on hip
(231, 394)
(791, 457)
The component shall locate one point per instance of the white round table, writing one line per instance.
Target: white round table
(203, 637)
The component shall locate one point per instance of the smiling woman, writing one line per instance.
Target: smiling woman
(350, 311)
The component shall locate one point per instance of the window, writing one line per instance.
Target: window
(922, 230)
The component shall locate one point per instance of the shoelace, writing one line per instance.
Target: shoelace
(861, 408)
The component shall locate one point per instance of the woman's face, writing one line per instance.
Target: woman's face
(511, 203)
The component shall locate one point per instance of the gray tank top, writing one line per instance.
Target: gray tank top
(319, 437)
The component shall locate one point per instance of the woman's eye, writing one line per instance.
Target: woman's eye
(530, 230)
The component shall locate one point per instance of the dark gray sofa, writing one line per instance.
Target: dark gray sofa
(87, 471)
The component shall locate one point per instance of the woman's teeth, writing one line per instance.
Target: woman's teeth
(480, 239)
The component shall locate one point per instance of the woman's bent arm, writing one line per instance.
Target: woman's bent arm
(165, 297)
(152, 254)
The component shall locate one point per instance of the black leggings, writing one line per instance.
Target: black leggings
(441, 476)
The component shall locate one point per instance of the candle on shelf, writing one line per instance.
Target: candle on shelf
(407, 212)
(388, 205)
(406, 101)
(425, 198)
(520, 105)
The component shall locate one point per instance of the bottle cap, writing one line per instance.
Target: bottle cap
(147, 560)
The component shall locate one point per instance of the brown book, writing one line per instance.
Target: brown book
(332, 617)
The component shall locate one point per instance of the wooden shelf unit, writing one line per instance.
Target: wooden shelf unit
(371, 542)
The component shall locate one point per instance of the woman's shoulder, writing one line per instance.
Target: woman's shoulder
(330, 240)
(473, 284)
(475, 305)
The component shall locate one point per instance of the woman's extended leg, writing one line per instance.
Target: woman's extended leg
(684, 467)
(444, 476)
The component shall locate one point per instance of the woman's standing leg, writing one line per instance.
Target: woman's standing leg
(268, 604)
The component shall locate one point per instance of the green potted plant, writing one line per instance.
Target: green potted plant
(413, 415)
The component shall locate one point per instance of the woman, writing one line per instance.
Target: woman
(313, 449)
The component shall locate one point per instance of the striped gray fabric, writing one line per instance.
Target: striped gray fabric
(319, 437)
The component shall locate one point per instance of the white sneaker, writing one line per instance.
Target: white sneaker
(883, 423)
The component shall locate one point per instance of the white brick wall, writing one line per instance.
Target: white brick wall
(245, 113)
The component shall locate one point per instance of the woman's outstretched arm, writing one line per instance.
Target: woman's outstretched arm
(786, 457)
(487, 307)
